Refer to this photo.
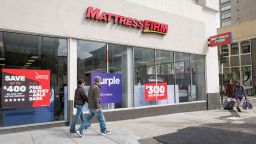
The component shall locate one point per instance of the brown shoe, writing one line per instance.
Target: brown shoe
(238, 109)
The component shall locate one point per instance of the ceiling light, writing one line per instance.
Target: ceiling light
(28, 63)
(31, 60)
(34, 57)
(2, 58)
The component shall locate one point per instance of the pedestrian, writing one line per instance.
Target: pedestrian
(79, 102)
(94, 109)
(239, 94)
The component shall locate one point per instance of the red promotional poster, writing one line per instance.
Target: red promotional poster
(25, 88)
(155, 91)
(221, 39)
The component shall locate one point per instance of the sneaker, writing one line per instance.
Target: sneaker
(80, 134)
(238, 109)
(106, 132)
(72, 131)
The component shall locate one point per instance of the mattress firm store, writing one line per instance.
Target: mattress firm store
(149, 61)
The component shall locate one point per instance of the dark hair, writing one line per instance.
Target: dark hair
(80, 81)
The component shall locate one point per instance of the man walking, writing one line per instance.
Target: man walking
(239, 94)
(80, 99)
(94, 109)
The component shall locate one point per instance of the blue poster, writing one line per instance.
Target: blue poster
(111, 86)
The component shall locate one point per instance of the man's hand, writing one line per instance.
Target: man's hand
(97, 110)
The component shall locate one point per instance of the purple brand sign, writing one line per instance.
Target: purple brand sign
(111, 86)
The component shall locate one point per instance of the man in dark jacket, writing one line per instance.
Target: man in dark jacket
(80, 99)
(94, 109)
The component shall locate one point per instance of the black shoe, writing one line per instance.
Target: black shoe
(72, 131)
(238, 109)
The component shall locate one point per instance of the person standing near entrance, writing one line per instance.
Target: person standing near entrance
(94, 109)
(79, 102)
(239, 94)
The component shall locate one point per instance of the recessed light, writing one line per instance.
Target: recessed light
(28, 63)
(34, 57)
(31, 60)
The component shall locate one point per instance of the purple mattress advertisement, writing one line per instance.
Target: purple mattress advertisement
(111, 86)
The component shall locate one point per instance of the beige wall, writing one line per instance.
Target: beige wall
(240, 31)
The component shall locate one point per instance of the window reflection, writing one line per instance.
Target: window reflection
(245, 47)
(144, 73)
(183, 69)
(234, 49)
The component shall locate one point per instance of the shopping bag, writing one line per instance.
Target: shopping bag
(247, 105)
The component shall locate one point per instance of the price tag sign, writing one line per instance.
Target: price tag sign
(155, 91)
(25, 88)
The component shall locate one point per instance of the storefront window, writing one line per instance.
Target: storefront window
(247, 75)
(234, 49)
(31, 53)
(235, 74)
(198, 77)
(182, 70)
(245, 47)
(165, 74)
(117, 59)
(91, 58)
(109, 62)
(145, 75)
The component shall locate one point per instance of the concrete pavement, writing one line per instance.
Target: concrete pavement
(214, 126)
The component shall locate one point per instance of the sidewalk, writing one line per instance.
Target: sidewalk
(211, 127)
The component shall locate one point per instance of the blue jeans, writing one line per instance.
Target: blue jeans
(79, 113)
(88, 119)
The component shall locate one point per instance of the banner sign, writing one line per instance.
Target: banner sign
(25, 88)
(111, 87)
(221, 39)
(155, 91)
(147, 26)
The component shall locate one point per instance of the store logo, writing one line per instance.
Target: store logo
(111, 81)
(41, 76)
(147, 26)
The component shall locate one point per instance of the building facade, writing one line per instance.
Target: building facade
(236, 11)
(153, 57)
(241, 55)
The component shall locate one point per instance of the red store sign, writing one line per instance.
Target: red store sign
(147, 26)
(155, 91)
(221, 39)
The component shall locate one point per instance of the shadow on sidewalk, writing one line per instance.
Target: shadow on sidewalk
(206, 135)
(229, 132)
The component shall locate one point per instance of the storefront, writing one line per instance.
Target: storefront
(241, 54)
(153, 60)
